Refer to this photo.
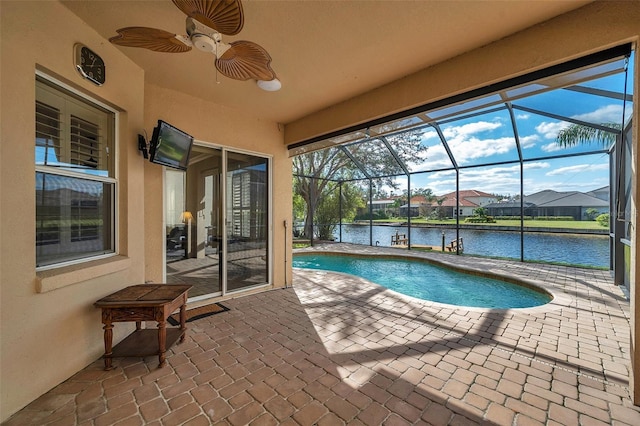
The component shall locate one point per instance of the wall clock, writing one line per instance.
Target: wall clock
(89, 64)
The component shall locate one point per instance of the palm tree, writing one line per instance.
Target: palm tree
(577, 134)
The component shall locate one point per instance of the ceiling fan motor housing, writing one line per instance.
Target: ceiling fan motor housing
(204, 43)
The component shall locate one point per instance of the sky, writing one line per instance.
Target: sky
(489, 138)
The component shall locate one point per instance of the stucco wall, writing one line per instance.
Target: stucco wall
(48, 336)
(49, 329)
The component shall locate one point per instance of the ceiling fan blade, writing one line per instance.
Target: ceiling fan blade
(224, 16)
(245, 60)
(149, 38)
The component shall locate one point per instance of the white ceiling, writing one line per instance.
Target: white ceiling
(324, 51)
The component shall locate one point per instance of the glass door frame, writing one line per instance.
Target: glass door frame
(223, 193)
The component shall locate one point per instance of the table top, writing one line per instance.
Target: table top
(143, 295)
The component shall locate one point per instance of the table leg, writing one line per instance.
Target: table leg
(183, 321)
(162, 342)
(108, 345)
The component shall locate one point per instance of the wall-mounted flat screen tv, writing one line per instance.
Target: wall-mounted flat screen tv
(170, 146)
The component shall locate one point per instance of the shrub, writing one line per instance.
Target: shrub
(603, 219)
(480, 219)
(512, 217)
(480, 212)
(554, 218)
(591, 214)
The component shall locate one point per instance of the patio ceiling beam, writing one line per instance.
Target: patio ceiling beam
(570, 120)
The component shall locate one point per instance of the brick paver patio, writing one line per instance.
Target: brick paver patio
(334, 349)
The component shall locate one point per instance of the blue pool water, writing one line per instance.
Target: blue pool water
(428, 282)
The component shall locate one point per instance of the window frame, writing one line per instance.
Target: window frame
(112, 172)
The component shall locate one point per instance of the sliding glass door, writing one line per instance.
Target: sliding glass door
(193, 213)
(216, 222)
(247, 215)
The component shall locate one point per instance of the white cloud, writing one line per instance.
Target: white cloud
(506, 179)
(470, 129)
(401, 181)
(466, 145)
(605, 114)
(537, 165)
(436, 158)
(551, 147)
(551, 130)
(529, 141)
(502, 185)
(430, 134)
(500, 179)
(446, 174)
(523, 116)
(578, 168)
(465, 150)
(538, 185)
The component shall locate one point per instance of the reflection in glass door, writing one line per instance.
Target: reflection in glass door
(174, 206)
(204, 247)
(247, 218)
(193, 212)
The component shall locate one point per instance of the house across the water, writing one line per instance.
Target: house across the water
(578, 205)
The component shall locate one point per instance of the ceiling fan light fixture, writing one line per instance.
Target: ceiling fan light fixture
(269, 85)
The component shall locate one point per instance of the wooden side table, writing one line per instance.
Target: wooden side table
(143, 302)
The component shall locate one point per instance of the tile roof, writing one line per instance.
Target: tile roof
(551, 198)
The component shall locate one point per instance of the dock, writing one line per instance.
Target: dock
(419, 247)
(401, 241)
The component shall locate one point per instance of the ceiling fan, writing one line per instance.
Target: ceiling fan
(207, 21)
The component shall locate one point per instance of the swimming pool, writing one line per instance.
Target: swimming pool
(424, 280)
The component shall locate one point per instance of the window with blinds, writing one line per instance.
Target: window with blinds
(84, 148)
(71, 133)
(75, 182)
(47, 134)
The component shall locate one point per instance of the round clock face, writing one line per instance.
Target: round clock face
(90, 64)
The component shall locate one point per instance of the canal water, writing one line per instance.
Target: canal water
(575, 249)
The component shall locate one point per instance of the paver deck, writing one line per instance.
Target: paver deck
(335, 349)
